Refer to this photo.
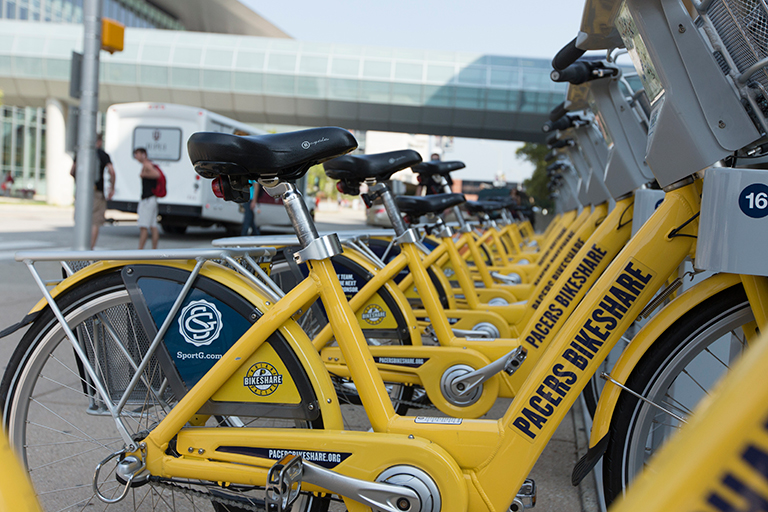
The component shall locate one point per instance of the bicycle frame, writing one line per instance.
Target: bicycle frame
(471, 462)
(595, 254)
(16, 492)
(533, 271)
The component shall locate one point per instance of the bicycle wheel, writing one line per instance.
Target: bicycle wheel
(680, 369)
(314, 320)
(61, 428)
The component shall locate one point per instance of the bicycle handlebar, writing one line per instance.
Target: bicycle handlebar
(583, 71)
(561, 143)
(576, 73)
(567, 56)
(558, 112)
(561, 124)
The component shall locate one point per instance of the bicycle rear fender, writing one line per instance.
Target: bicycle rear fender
(297, 340)
(640, 344)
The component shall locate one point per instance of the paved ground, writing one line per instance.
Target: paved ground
(34, 226)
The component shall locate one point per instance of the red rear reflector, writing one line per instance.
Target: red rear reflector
(216, 186)
(340, 187)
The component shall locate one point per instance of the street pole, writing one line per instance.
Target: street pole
(87, 163)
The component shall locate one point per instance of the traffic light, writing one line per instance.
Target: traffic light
(112, 35)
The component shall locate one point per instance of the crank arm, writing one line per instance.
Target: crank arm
(468, 333)
(510, 279)
(294, 470)
(510, 363)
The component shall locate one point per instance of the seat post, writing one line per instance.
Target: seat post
(456, 210)
(297, 209)
(392, 210)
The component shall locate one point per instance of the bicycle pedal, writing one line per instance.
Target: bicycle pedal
(526, 498)
(515, 360)
(281, 478)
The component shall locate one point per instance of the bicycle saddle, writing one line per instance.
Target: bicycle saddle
(287, 156)
(418, 206)
(436, 167)
(503, 202)
(381, 166)
(483, 206)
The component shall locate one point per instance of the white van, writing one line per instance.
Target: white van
(163, 130)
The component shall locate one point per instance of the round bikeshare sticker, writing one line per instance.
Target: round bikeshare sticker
(262, 379)
(373, 314)
(753, 201)
(200, 323)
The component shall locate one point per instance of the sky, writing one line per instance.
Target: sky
(521, 28)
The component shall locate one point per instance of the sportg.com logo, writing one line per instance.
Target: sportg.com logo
(200, 323)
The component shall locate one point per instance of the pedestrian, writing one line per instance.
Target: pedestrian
(147, 209)
(6, 186)
(99, 201)
(251, 209)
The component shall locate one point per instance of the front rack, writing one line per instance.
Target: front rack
(229, 255)
(738, 31)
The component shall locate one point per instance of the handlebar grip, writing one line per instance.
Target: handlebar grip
(554, 167)
(567, 56)
(561, 143)
(576, 73)
(558, 112)
(561, 124)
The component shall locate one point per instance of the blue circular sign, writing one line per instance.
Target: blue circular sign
(753, 200)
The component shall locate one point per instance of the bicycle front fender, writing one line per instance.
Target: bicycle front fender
(640, 344)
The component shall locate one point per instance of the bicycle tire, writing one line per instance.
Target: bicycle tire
(60, 436)
(686, 360)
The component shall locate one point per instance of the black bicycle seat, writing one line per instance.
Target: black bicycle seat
(381, 166)
(287, 156)
(418, 206)
(436, 167)
(483, 206)
(503, 202)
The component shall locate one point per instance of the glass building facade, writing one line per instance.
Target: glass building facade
(23, 148)
(22, 129)
(131, 13)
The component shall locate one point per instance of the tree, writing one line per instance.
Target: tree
(319, 183)
(536, 185)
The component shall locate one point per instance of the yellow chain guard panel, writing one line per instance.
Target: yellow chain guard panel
(263, 378)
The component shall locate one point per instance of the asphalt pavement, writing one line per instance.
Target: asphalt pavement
(29, 226)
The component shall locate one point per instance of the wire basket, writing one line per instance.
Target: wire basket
(742, 27)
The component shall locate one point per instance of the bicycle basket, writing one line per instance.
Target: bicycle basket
(698, 117)
(742, 27)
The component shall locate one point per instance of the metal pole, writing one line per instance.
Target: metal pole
(86, 136)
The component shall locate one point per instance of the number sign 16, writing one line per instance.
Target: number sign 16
(753, 200)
